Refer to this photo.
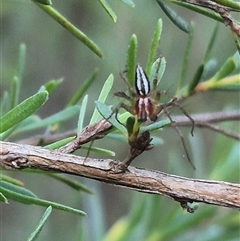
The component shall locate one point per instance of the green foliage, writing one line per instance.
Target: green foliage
(39, 227)
(60, 143)
(44, 2)
(82, 89)
(23, 110)
(102, 97)
(61, 116)
(200, 10)
(154, 46)
(186, 60)
(82, 113)
(174, 17)
(131, 59)
(228, 67)
(70, 27)
(25, 196)
(108, 10)
(162, 62)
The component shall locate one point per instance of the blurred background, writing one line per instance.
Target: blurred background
(54, 53)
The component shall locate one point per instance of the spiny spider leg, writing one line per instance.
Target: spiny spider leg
(116, 109)
(172, 103)
(180, 135)
(186, 114)
(123, 95)
(129, 86)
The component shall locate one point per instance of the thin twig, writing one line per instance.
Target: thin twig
(222, 10)
(216, 128)
(181, 189)
(207, 120)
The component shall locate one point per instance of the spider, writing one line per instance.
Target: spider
(144, 102)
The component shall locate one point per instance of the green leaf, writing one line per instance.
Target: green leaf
(186, 60)
(39, 227)
(228, 3)
(4, 103)
(3, 198)
(108, 10)
(178, 21)
(55, 118)
(8, 133)
(228, 83)
(52, 85)
(58, 144)
(71, 28)
(228, 67)
(196, 79)
(99, 150)
(71, 183)
(209, 69)
(23, 110)
(45, 2)
(130, 125)
(129, 2)
(82, 89)
(107, 113)
(82, 114)
(21, 61)
(31, 120)
(14, 91)
(154, 46)
(200, 10)
(17, 80)
(102, 97)
(27, 197)
(116, 135)
(210, 44)
(131, 60)
(155, 125)
(11, 180)
(161, 70)
(16, 189)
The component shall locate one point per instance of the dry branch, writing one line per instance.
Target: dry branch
(181, 189)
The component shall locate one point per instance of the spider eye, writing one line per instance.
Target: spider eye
(142, 84)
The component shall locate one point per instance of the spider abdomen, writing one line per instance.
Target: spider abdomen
(144, 108)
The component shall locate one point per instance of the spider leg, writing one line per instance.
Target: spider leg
(116, 109)
(158, 96)
(159, 108)
(173, 101)
(188, 116)
(179, 134)
(123, 95)
(131, 90)
(88, 151)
